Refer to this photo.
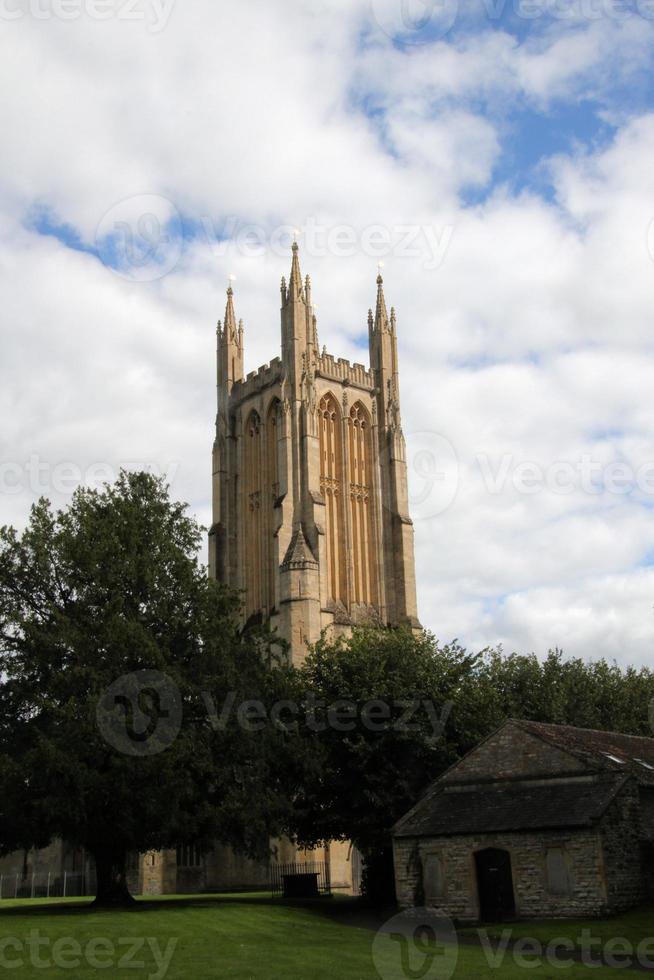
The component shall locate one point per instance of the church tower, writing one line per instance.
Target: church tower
(310, 499)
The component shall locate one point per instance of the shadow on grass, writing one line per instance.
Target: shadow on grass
(345, 910)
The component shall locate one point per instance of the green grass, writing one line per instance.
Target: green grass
(633, 926)
(249, 937)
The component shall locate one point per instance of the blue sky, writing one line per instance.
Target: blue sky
(147, 160)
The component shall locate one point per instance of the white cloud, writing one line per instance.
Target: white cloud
(529, 342)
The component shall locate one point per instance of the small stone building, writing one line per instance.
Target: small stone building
(537, 821)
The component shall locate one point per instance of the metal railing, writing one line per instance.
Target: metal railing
(47, 884)
(319, 868)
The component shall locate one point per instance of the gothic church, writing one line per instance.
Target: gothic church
(310, 501)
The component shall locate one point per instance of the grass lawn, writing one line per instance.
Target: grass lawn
(244, 936)
(635, 925)
(635, 928)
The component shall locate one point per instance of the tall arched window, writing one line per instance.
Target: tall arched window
(270, 495)
(331, 486)
(364, 584)
(252, 514)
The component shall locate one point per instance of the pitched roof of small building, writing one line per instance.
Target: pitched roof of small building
(509, 806)
(527, 802)
(602, 750)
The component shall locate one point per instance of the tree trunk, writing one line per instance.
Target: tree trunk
(112, 891)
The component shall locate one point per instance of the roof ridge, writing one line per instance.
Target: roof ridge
(578, 728)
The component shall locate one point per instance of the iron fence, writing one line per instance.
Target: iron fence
(319, 868)
(47, 884)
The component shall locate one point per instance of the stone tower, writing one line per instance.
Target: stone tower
(310, 501)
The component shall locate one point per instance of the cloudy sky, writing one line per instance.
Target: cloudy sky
(496, 155)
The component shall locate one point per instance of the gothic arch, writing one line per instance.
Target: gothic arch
(331, 487)
(361, 499)
(270, 473)
(251, 513)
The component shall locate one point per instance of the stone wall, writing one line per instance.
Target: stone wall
(408, 873)
(56, 858)
(647, 813)
(621, 835)
(49, 858)
(528, 852)
(227, 871)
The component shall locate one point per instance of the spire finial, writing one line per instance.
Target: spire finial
(295, 282)
(230, 316)
(381, 313)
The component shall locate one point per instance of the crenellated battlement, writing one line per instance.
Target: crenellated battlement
(340, 369)
(263, 377)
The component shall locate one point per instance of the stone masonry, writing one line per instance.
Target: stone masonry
(571, 808)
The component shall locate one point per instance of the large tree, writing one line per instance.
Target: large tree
(122, 670)
(378, 716)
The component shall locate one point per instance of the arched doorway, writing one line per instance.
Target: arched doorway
(494, 884)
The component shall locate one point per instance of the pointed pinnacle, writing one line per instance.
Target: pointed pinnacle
(381, 313)
(296, 275)
(230, 316)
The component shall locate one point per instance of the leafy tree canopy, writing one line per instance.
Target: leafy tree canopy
(115, 648)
